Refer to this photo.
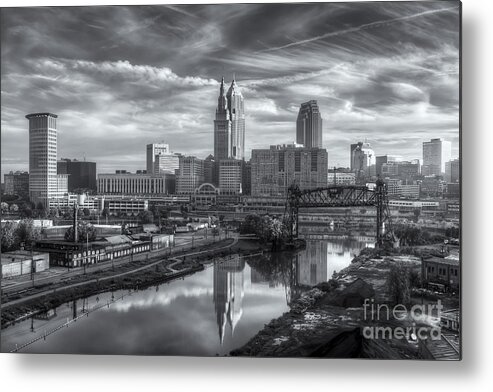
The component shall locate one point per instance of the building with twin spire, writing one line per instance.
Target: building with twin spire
(229, 139)
(229, 124)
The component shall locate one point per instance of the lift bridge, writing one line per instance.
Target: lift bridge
(342, 196)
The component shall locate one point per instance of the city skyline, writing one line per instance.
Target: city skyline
(132, 89)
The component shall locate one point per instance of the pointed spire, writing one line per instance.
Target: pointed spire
(221, 90)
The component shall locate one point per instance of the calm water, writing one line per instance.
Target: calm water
(209, 313)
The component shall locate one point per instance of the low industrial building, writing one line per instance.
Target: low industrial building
(441, 273)
(58, 232)
(76, 254)
(23, 262)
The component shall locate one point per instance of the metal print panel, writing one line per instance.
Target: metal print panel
(266, 180)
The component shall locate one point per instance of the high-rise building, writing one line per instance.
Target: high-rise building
(222, 127)
(230, 176)
(309, 125)
(166, 163)
(210, 172)
(452, 171)
(435, 153)
(17, 184)
(236, 109)
(274, 170)
(81, 174)
(43, 180)
(246, 181)
(152, 150)
(229, 124)
(190, 174)
(363, 162)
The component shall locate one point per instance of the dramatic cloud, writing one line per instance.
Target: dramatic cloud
(121, 77)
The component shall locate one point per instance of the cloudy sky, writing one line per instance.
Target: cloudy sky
(122, 77)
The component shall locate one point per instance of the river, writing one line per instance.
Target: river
(208, 313)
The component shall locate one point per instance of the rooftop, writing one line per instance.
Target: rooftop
(28, 116)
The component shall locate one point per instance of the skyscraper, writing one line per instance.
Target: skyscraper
(151, 151)
(190, 174)
(452, 170)
(363, 163)
(435, 153)
(237, 115)
(274, 170)
(43, 180)
(229, 124)
(309, 125)
(222, 127)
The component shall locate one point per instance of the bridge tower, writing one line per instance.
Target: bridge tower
(385, 234)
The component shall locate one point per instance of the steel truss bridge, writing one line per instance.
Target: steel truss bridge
(342, 196)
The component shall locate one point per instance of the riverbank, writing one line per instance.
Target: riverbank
(131, 276)
(329, 320)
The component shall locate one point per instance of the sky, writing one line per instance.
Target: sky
(120, 77)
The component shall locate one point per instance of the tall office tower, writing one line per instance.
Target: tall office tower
(363, 164)
(166, 163)
(190, 175)
(210, 173)
(43, 181)
(222, 127)
(17, 184)
(435, 153)
(352, 147)
(230, 176)
(452, 171)
(246, 180)
(274, 170)
(309, 125)
(81, 174)
(236, 110)
(151, 151)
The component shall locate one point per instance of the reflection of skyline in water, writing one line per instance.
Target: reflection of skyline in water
(190, 316)
(228, 293)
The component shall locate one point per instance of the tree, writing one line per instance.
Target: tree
(146, 217)
(14, 208)
(8, 233)
(27, 233)
(401, 279)
(85, 231)
(105, 212)
(86, 212)
(27, 212)
(4, 207)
